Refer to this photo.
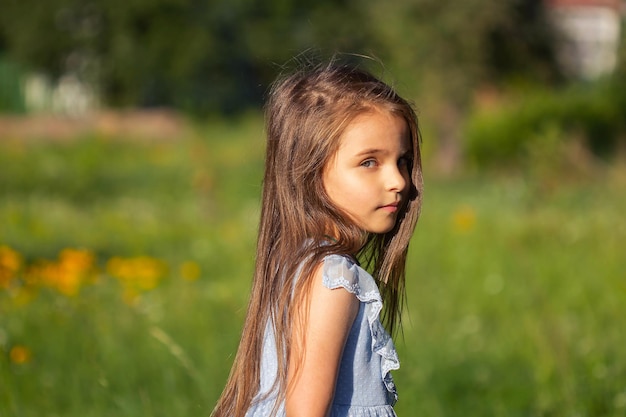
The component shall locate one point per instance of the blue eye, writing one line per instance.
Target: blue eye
(369, 163)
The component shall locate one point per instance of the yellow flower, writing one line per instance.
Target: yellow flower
(76, 261)
(10, 264)
(77, 267)
(463, 219)
(190, 271)
(74, 268)
(20, 354)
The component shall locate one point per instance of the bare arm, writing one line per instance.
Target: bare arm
(331, 314)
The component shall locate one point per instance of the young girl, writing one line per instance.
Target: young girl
(341, 196)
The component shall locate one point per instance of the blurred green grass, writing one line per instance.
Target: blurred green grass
(516, 289)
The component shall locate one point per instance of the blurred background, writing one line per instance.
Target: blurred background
(131, 156)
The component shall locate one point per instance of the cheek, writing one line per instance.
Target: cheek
(333, 191)
(336, 189)
(330, 176)
(348, 193)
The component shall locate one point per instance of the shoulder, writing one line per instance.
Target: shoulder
(341, 271)
(333, 273)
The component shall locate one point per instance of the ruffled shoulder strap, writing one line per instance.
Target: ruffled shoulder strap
(342, 271)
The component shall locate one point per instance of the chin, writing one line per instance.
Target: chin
(382, 230)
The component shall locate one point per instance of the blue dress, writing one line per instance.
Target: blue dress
(364, 386)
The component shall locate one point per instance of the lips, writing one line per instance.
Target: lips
(392, 208)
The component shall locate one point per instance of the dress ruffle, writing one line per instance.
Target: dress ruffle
(341, 271)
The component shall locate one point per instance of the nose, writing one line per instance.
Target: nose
(397, 179)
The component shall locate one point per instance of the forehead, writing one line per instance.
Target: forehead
(376, 129)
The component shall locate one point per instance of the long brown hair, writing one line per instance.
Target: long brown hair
(306, 114)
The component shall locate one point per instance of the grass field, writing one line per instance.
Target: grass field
(125, 266)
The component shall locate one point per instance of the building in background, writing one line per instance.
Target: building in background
(68, 95)
(588, 34)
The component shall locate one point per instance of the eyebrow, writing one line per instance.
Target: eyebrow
(370, 151)
(373, 151)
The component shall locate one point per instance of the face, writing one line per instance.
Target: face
(368, 177)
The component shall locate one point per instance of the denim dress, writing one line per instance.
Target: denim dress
(364, 385)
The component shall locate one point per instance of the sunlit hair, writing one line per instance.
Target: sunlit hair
(306, 114)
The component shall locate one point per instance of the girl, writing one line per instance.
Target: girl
(342, 188)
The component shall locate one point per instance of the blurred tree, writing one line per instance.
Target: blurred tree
(204, 56)
(192, 54)
(30, 33)
(447, 50)
(521, 45)
(452, 47)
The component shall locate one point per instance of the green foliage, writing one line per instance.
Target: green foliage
(503, 288)
(515, 298)
(508, 134)
(221, 55)
(11, 97)
(472, 43)
(194, 55)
